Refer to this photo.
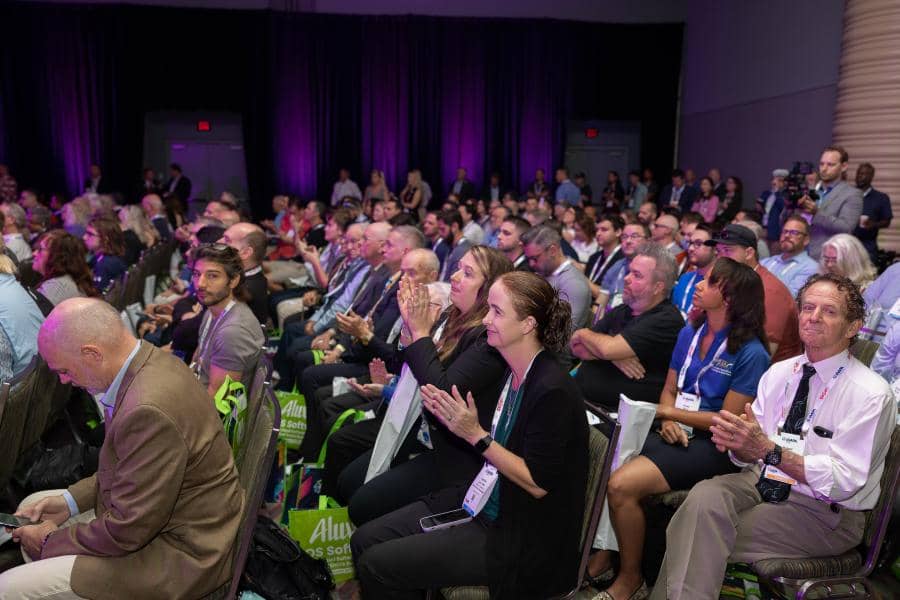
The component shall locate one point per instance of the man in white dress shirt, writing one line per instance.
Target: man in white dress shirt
(812, 445)
(344, 187)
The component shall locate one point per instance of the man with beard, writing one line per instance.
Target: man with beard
(509, 241)
(634, 235)
(700, 258)
(433, 239)
(628, 351)
(794, 265)
(230, 339)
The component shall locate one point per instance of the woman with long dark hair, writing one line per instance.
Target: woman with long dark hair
(528, 503)
(716, 365)
(707, 203)
(445, 351)
(733, 201)
(103, 237)
(59, 258)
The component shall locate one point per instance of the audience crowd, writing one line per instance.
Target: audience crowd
(470, 326)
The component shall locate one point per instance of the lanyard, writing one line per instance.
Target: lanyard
(504, 395)
(206, 334)
(562, 267)
(690, 356)
(688, 294)
(596, 270)
(819, 401)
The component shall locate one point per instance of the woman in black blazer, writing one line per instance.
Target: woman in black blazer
(524, 540)
(460, 358)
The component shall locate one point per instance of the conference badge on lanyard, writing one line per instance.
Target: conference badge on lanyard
(482, 487)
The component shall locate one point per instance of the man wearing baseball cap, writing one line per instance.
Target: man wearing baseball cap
(782, 326)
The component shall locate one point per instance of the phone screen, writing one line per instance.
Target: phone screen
(446, 518)
(13, 521)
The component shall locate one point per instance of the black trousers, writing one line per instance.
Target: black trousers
(314, 377)
(395, 488)
(395, 559)
(293, 342)
(348, 442)
(358, 447)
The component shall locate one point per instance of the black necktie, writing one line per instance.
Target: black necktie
(776, 491)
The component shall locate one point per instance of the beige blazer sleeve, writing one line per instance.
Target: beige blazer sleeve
(85, 493)
(138, 501)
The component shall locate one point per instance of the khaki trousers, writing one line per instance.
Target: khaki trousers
(47, 578)
(724, 520)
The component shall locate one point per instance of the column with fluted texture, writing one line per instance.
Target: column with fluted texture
(867, 114)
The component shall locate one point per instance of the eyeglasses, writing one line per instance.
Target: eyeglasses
(793, 232)
(217, 246)
(633, 236)
(829, 260)
(533, 258)
(697, 244)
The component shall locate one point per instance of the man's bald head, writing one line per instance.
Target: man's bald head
(152, 205)
(250, 242)
(420, 266)
(85, 341)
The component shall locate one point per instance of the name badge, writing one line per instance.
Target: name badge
(895, 310)
(480, 491)
(788, 441)
(689, 402)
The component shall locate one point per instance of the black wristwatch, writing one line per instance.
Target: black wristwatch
(482, 444)
(773, 456)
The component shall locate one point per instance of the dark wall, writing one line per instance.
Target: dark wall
(319, 91)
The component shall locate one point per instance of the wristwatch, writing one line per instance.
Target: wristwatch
(773, 456)
(482, 444)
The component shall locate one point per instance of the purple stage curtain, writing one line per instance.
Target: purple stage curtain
(433, 94)
(320, 92)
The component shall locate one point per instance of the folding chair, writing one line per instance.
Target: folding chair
(841, 576)
(15, 397)
(260, 442)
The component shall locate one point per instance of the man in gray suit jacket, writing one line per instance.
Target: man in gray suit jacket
(839, 205)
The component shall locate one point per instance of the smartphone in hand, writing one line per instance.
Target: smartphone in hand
(13, 522)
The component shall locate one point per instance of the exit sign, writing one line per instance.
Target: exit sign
(204, 126)
(591, 133)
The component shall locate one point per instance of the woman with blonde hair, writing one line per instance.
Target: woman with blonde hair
(137, 231)
(132, 218)
(411, 194)
(844, 255)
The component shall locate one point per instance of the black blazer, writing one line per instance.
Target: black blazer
(466, 192)
(182, 188)
(103, 186)
(472, 366)
(533, 548)
(384, 318)
(684, 203)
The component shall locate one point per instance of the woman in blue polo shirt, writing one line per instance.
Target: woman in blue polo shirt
(716, 365)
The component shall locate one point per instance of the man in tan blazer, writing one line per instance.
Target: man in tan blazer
(160, 517)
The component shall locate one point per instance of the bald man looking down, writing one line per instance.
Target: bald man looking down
(160, 517)
(250, 242)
